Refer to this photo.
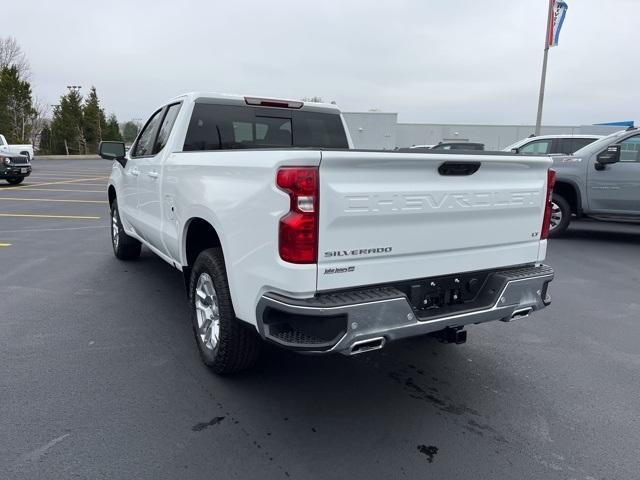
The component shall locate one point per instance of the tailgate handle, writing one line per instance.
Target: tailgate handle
(458, 168)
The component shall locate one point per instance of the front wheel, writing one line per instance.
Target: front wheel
(15, 181)
(226, 344)
(124, 246)
(560, 216)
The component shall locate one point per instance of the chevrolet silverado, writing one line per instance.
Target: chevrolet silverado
(286, 234)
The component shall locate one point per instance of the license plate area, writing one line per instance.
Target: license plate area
(447, 295)
(23, 170)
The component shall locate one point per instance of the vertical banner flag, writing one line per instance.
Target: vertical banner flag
(558, 12)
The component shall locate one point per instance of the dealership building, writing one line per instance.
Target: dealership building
(381, 131)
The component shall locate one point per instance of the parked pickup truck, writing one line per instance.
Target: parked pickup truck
(285, 234)
(601, 181)
(25, 150)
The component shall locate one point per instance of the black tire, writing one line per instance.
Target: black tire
(15, 181)
(565, 211)
(238, 344)
(124, 246)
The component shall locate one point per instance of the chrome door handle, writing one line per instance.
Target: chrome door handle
(153, 174)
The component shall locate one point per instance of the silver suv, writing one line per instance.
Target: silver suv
(601, 180)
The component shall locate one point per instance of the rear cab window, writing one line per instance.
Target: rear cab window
(228, 127)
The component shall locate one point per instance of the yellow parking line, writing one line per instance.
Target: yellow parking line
(52, 200)
(68, 174)
(34, 215)
(52, 190)
(62, 182)
(92, 185)
(44, 174)
(5, 245)
(56, 179)
(83, 184)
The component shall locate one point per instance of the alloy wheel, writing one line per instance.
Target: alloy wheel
(207, 312)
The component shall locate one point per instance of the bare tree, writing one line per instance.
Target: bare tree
(12, 55)
(39, 119)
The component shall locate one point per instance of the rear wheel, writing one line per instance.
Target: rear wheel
(124, 246)
(15, 181)
(560, 215)
(226, 344)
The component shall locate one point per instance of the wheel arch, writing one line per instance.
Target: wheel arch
(111, 192)
(570, 192)
(198, 235)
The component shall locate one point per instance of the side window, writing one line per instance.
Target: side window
(578, 143)
(165, 128)
(564, 146)
(537, 147)
(630, 150)
(144, 144)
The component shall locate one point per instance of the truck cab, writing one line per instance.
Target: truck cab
(601, 181)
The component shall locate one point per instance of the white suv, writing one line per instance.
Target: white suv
(552, 144)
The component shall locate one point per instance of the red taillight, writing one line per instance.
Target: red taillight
(298, 236)
(546, 223)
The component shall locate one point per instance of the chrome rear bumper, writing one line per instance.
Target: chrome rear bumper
(362, 320)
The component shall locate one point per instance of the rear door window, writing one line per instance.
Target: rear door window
(226, 127)
(578, 143)
(167, 125)
(563, 145)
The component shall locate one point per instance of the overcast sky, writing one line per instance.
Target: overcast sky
(456, 61)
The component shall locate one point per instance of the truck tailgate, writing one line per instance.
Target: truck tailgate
(387, 217)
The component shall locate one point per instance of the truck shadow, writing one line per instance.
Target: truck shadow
(590, 230)
(412, 391)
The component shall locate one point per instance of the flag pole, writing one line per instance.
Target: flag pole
(544, 69)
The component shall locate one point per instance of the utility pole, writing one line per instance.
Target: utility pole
(544, 69)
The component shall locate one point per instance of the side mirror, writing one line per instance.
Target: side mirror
(113, 151)
(610, 155)
(515, 150)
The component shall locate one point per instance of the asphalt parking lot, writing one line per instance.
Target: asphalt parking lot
(100, 376)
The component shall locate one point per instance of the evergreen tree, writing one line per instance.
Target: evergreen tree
(112, 131)
(67, 129)
(94, 121)
(45, 140)
(16, 106)
(130, 131)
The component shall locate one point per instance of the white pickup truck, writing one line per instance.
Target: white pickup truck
(24, 150)
(286, 234)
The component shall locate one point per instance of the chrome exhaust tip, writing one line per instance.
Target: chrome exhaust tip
(521, 313)
(368, 345)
